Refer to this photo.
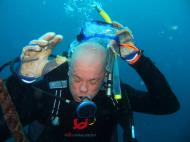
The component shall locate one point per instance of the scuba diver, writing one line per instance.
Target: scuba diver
(80, 98)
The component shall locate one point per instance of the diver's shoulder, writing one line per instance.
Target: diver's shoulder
(60, 70)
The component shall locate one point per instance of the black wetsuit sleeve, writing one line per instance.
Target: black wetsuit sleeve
(159, 99)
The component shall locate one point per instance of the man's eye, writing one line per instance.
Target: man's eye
(76, 79)
(93, 82)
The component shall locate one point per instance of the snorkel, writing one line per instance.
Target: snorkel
(103, 14)
(116, 80)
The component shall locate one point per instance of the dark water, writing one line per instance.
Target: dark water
(161, 29)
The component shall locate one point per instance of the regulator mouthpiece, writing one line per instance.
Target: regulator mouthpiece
(86, 108)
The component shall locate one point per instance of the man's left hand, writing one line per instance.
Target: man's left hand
(125, 46)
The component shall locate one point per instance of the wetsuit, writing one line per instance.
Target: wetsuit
(32, 104)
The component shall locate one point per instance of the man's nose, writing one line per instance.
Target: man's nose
(83, 87)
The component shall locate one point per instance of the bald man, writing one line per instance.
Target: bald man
(55, 100)
(87, 70)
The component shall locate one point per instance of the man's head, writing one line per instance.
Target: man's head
(87, 69)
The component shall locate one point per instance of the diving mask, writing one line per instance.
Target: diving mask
(101, 32)
(97, 29)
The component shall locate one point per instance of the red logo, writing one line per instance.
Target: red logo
(80, 125)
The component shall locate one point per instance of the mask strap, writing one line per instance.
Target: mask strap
(130, 46)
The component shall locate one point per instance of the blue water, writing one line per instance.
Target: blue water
(161, 29)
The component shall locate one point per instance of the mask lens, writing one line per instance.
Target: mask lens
(94, 29)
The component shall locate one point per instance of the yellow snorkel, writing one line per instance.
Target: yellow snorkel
(116, 79)
(103, 14)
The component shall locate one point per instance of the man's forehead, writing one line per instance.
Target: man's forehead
(87, 76)
(83, 69)
(87, 67)
(89, 49)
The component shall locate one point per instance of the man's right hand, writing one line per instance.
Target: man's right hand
(34, 56)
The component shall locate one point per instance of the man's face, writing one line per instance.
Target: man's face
(85, 79)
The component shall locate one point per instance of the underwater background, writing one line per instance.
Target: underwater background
(161, 29)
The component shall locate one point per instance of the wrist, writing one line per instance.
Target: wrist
(134, 57)
(22, 77)
(133, 54)
(29, 72)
